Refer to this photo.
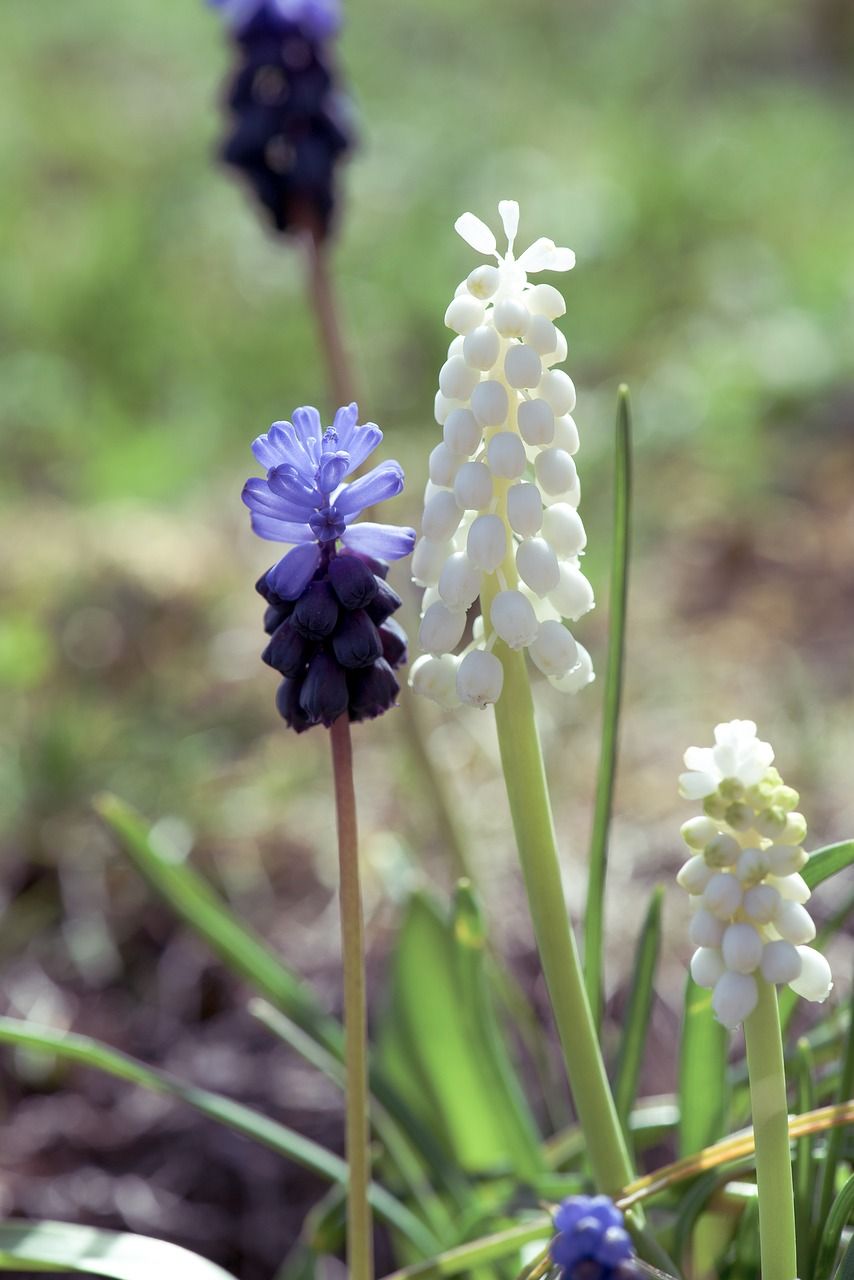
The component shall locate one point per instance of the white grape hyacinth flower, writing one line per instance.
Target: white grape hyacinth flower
(501, 506)
(743, 876)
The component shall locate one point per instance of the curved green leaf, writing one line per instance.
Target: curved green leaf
(827, 861)
(633, 1041)
(62, 1246)
(841, 1213)
(703, 1088)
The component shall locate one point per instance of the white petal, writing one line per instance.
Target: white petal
(475, 233)
(815, 980)
(734, 731)
(696, 786)
(700, 758)
(509, 211)
(544, 255)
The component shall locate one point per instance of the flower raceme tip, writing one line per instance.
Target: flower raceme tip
(500, 516)
(743, 876)
(329, 610)
(592, 1242)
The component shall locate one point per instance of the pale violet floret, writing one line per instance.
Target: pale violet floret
(501, 507)
(749, 921)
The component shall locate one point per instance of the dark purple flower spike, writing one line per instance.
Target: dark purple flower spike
(591, 1241)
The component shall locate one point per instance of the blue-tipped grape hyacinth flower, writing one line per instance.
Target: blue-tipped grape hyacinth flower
(291, 121)
(591, 1241)
(329, 607)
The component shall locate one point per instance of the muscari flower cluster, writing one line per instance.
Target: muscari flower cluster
(500, 515)
(592, 1243)
(332, 636)
(290, 119)
(744, 877)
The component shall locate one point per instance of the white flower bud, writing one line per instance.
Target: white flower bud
(536, 422)
(554, 650)
(479, 678)
(441, 408)
(436, 678)
(544, 300)
(761, 903)
(697, 832)
(783, 859)
(473, 486)
(580, 675)
(443, 465)
(462, 432)
(556, 470)
(441, 629)
(815, 979)
(459, 582)
(780, 962)
(795, 830)
(564, 530)
(538, 565)
(464, 313)
(792, 887)
(734, 998)
(705, 929)
(722, 895)
(573, 596)
(427, 561)
(723, 850)
(557, 388)
(707, 966)
(522, 366)
(481, 347)
(559, 354)
(506, 455)
(752, 866)
(742, 948)
(483, 281)
(457, 380)
(490, 404)
(794, 923)
(510, 317)
(566, 434)
(694, 875)
(541, 335)
(441, 517)
(455, 347)
(487, 542)
(525, 509)
(514, 619)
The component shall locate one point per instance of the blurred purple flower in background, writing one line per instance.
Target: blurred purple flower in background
(592, 1243)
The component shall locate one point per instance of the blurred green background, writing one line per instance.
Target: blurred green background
(700, 161)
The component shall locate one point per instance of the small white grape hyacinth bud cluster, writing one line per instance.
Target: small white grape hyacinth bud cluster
(743, 876)
(500, 515)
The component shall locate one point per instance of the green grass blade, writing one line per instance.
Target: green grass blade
(846, 1267)
(118, 1255)
(845, 1090)
(234, 1115)
(827, 861)
(804, 1170)
(703, 1088)
(613, 687)
(638, 1011)
(841, 1213)
(465, 1257)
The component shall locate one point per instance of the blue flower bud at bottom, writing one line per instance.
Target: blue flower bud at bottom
(288, 707)
(352, 581)
(324, 695)
(383, 604)
(288, 651)
(394, 643)
(356, 642)
(316, 611)
(372, 690)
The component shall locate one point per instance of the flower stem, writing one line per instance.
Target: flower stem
(322, 296)
(771, 1135)
(360, 1263)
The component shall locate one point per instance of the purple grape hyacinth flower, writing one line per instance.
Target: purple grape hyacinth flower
(318, 19)
(329, 610)
(591, 1241)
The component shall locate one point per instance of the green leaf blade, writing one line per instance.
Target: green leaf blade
(63, 1246)
(633, 1041)
(703, 1088)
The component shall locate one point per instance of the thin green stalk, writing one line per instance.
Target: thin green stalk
(360, 1260)
(594, 917)
(767, 1073)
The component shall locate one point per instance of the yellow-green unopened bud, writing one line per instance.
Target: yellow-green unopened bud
(722, 851)
(771, 822)
(697, 832)
(739, 816)
(795, 829)
(715, 806)
(731, 789)
(786, 798)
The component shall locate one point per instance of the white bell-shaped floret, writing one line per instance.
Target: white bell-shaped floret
(427, 561)
(506, 455)
(742, 948)
(559, 354)
(538, 565)
(480, 677)
(780, 962)
(541, 335)
(545, 300)
(536, 422)
(441, 517)
(487, 542)
(514, 619)
(761, 903)
(752, 866)
(522, 366)
(462, 433)
(783, 859)
(473, 486)
(573, 596)
(525, 509)
(734, 998)
(441, 628)
(455, 346)
(705, 930)
(566, 433)
(723, 850)
(464, 313)
(481, 347)
(556, 387)
(459, 581)
(722, 895)
(579, 677)
(707, 966)
(697, 832)
(694, 875)
(442, 406)
(564, 530)
(483, 281)
(436, 678)
(556, 470)
(794, 923)
(554, 650)
(457, 380)
(795, 830)
(489, 403)
(510, 317)
(442, 466)
(815, 979)
(793, 887)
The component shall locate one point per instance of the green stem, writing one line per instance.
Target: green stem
(771, 1133)
(360, 1261)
